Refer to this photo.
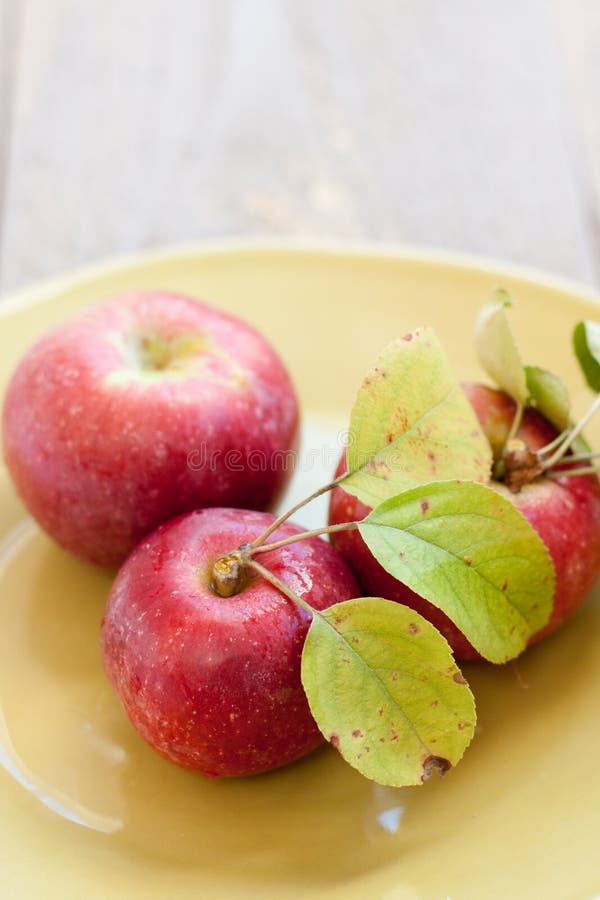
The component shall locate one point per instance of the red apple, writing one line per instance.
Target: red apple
(213, 684)
(147, 406)
(565, 511)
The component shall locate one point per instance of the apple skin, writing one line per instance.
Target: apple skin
(147, 406)
(564, 511)
(214, 684)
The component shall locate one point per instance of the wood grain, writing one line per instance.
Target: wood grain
(142, 124)
(9, 31)
(577, 25)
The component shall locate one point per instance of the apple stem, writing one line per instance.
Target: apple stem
(229, 573)
(564, 446)
(329, 529)
(285, 590)
(285, 516)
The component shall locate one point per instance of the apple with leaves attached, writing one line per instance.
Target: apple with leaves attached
(213, 682)
(207, 650)
(565, 512)
(145, 407)
(558, 494)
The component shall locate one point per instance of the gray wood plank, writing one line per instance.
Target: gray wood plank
(143, 123)
(9, 18)
(577, 24)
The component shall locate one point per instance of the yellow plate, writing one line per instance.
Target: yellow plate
(87, 810)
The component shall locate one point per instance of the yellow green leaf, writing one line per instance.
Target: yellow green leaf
(412, 423)
(470, 552)
(384, 689)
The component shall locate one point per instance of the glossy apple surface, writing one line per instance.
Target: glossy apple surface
(565, 511)
(213, 684)
(147, 406)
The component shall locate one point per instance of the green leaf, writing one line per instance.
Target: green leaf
(549, 395)
(470, 552)
(411, 423)
(384, 689)
(497, 349)
(586, 343)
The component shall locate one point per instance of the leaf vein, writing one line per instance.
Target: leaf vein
(411, 429)
(393, 700)
(505, 595)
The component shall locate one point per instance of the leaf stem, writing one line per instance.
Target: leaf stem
(581, 457)
(281, 586)
(547, 448)
(567, 473)
(286, 515)
(564, 446)
(516, 422)
(327, 529)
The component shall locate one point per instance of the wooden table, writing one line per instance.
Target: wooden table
(131, 124)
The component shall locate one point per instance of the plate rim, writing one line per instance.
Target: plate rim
(13, 302)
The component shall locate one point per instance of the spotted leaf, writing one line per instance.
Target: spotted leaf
(470, 552)
(385, 691)
(411, 423)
